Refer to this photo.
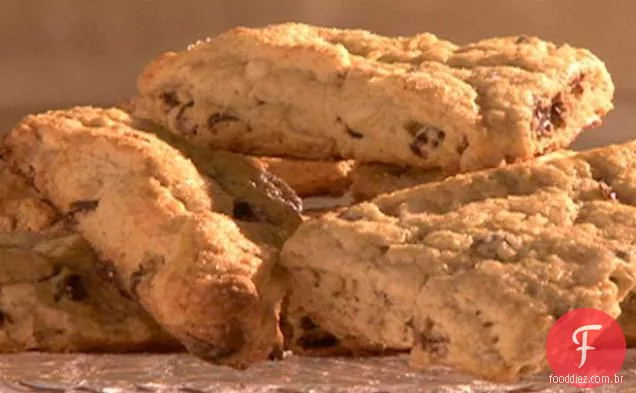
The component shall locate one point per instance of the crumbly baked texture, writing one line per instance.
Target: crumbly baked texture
(53, 296)
(200, 261)
(459, 269)
(311, 92)
(21, 208)
(310, 178)
(370, 180)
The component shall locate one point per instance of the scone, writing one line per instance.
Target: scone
(310, 178)
(53, 296)
(309, 92)
(459, 269)
(200, 260)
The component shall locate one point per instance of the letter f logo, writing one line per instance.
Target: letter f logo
(584, 347)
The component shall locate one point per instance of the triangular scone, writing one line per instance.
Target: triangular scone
(199, 259)
(477, 267)
(322, 93)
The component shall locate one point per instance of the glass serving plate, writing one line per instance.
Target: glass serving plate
(55, 373)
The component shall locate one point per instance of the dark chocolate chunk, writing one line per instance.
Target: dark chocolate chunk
(463, 145)
(220, 117)
(576, 85)
(557, 111)
(624, 255)
(244, 211)
(548, 117)
(307, 324)
(424, 138)
(145, 271)
(73, 288)
(354, 134)
(170, 99)
(184, 123)
(83, 206)
(435, 344)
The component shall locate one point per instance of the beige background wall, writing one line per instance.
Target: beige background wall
(55, 53)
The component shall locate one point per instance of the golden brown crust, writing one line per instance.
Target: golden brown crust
(472, 261)
(52, 295)
(167, 229)
(309, 92)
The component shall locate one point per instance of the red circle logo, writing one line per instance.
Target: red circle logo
(586, 348)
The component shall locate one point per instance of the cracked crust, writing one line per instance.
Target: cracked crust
(321, 93)
(52, 297)
(201, 264)
(470, 262)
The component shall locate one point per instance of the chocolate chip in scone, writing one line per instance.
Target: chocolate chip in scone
(549, 116)
(576, 85)
(622, 254)
(341, 77)
(244, 211)
(83, 206)
(425, 138)
(350, 131)
(501, 246)
(72, 288)
(307, 324)
(463, 145)
(170, 99)
(216, 118)
(432, 342)
(145, 271)
(184, 121)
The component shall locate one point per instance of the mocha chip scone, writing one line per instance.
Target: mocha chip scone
(199, 260)
(308, 92)
(460, 269)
